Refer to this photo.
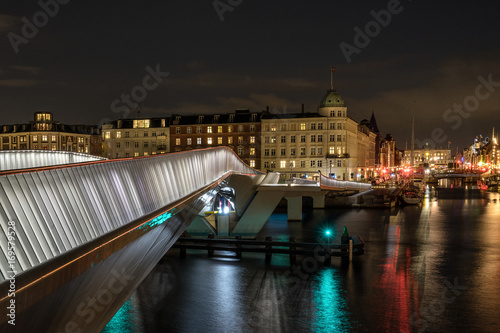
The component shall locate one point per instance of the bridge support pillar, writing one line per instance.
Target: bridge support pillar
(223, 225)
(294, 208)
(319, 201)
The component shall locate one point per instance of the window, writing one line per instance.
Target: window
(219, 140)
(127, 144)
(189, 130)
(302, 152)
(44, 138)
(283, 127)
(313, 164)
(209, 141)
(320, 126)
(273, 128)
(136, 134)
(332, 138)
(53, 147)
(283, 152)
(146, 144)
(332, 113)
(252, 163)
(292, 152)
(313, 138)
(339, 138)
(273, 139)
(339, 126)
(302, 164)
(136, 144)
(266, 164)
(266, 152)
(240, 128)
(320, 138)
(230, 140)
(118, 145)
(53, 139)
(313, 126)
(273, 164)
(230, 128)
(189, 141)
(240, 140)
(252, 151)
(219, 129)
(146, 134)
(177, 130)
(292, 164)
(273, 152)
(332, 126)
(292, 139)
(302, 127)
(252, 139)
(136, 154)
(313, 151)
(240, 151)
(177, 141)
(198, 141)
(209, 129)
(293, 127)
(302, 138)
(282, 164)
(339, 113)
(320, 164)
(283, 139)
(252, 128)
(198, 129)
(320, 151)
(266, 139)
(339, 163)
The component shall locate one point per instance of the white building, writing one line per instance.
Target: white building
(432, 157)
(329, 141)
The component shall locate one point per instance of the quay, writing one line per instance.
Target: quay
(349, 247)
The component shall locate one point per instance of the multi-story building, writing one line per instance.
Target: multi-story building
(427, 156)
(388, 152)
(328, 141)
(46, 134)
(136, 137)
(239, 131)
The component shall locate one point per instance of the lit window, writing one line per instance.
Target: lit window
(53, 138)
(136, 154)
(209, 129)
(302, 127)
(198, 141)
(209, 141)
(240, 128)
(282, 164)
(230, 140)
(219, 129)
(177, 141)
(44, 138)
(252, 139)
(252, 163)
(189, 141)
(252, 151)
(273, 139)
(118, 134)
(273, 128)
(230, 128)
(219, 140)
(240, 140)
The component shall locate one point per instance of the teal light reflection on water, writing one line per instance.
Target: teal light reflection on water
(331, 308)
(123, 320)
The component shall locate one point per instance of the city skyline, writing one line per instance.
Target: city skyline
(248, 55)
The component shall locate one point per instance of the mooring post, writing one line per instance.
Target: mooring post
(350, 250)
(238, 247)
(209, 246)
(268, 249)
(344, 240)
(293, 256)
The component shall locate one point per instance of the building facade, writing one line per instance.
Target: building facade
(136, 137)
(43, 133)
(428, 157)
(328, 141)
(239, 131)
(388, 152)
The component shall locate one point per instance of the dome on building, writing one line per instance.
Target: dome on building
(332, 98)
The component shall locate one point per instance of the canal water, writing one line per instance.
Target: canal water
(433, 268)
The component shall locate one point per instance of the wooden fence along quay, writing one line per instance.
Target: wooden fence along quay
(349, 247)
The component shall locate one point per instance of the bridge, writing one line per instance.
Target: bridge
(77, 239)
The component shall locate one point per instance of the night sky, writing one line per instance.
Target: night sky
(276, 53)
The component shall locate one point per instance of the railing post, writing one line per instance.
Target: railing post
(238, 248)
(268, 249)
(209, 245)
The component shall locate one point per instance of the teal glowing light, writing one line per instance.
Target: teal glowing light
(124, 320)
(160, 219)
(328, 232)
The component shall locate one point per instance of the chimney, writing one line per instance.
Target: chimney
(303, 111)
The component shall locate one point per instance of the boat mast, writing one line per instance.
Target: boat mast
(412, 163)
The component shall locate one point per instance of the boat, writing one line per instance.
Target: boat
(411, 197)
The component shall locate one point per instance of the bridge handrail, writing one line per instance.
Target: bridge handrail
(330, 182)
